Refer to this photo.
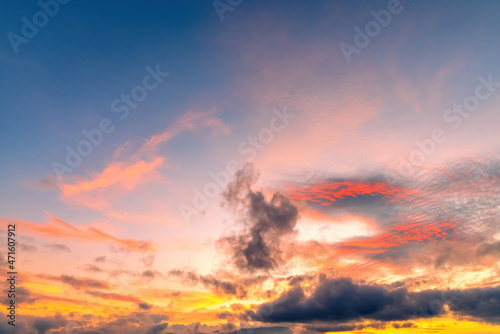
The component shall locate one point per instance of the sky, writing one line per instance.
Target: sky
(250, 167)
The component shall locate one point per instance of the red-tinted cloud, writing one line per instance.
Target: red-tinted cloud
(404, 234)
(326, 193)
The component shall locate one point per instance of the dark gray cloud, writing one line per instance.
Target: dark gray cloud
(26, 296)
(23, 296)
(258, 246)
(136, 322)
(145, 306)
(150, 274)
(43, 325)
(404, 325)
(480, 303)
(332, 328)
(236, 288)
(264, 330)
(143, 322)
(489, 249)
(92, 268)
(85, 283)
(59, 247)
(324, 328)
(156, 329)
(341, 301)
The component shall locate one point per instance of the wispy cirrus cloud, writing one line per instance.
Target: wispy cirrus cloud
(118, 297)
(118, 177)
(135, 164)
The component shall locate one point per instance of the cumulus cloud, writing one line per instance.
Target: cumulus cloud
(268, 222)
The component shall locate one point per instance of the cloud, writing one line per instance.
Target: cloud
(118, 177)
(415, 234)
(84, 283)
(150, 274)
(480, 303)
(264, 330)
(147, 260)
(132, 323)
(45, 184)
(155, 329)
(114, 296)
(190, 120)
(59, 229)
(343, 327)
(144, 306)
(340, 301)
(92, 268)
(326, 192)
(77, 283)
(237, 287)
(43, 325)
(59, 247)
(258, 247)
(447, 216)
(404, 325)
(24, 295)
(489, 249)
(27, 248)
(133, 165)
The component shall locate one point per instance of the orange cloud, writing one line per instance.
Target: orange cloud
(59, 229)
(119, 175)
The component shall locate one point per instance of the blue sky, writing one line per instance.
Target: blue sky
(351, 124)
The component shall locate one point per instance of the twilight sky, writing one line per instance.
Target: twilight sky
(251, 167)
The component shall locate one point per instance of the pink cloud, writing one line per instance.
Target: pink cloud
(58, 229)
